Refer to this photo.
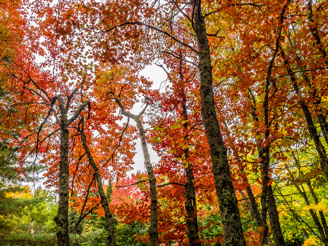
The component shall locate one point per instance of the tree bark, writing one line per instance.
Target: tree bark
(61, 218)
(252, 207)
(153, 232)
(250, 200)
(191, 207)
(322, 216)
(315, 33)
(264, 154)
(314, 216)
(310, 124)
(190, 193)
(229, 211)
(274, 219)
(267, 196)
(104, 199)
(318, 111)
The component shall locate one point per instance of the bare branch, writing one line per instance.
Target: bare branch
(170, 183)
(138, 182)
(154, 28)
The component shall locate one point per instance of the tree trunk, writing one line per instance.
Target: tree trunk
(267, 197)
(314, 216)
(268, 202)
(315, 33)
(250, 200)
(252, 207)
(190, 193)
(229, 211)
(104, 200)
(153, 233)
(61, 218)
(264, 155)
(322, 216)
(255, 212)
(191, 207)
(278, 236)
(318, 111)
(310, 124)
(323, 125)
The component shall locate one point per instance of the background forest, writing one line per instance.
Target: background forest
(238, 124)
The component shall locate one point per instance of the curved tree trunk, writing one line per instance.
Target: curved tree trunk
(153, 232)
(104, 199)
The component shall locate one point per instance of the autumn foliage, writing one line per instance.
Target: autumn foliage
(237, 125)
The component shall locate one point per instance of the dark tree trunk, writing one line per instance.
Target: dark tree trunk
(274, 219)
(251, 206)
(61, 218)
(268, 202)
(322, 216)
(191, 208)
(104, 199)
(318, 111)
(250, 200)
(231, 222)
(309, 120)
(267, 196)
(190, 193)
(255, 212)
(323, 125)
(314, 216)
(315, 33)
(264, 154)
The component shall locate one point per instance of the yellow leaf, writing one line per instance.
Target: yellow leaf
(311, 241)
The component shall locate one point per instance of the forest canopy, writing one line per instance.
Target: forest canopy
(238, 122)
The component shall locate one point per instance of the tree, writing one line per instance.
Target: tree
(124, 91)
(103, 196)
